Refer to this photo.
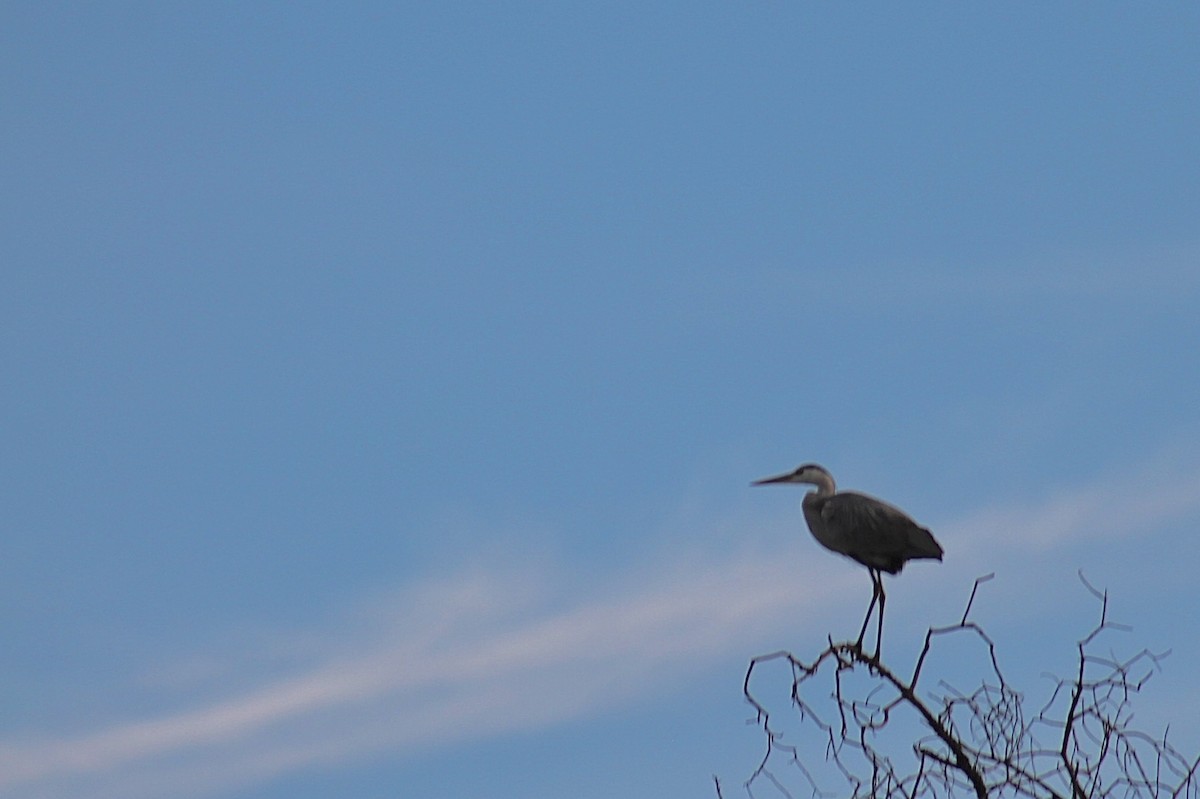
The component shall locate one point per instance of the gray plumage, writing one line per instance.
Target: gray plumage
(869, 530)
(878, 535)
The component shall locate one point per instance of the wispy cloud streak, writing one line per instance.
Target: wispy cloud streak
(1133, 503)
(441, 676)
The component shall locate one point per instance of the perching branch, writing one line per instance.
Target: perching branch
(887, 736)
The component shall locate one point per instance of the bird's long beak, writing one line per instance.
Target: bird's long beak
(783, 478)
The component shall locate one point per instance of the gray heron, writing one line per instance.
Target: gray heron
(878, 535)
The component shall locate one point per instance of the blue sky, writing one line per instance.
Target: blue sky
(383, 384)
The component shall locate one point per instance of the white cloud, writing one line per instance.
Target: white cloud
(444, 671)
(1117, 506)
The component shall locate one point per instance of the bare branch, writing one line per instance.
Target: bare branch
(983, 743)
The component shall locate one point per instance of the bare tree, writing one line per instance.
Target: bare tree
(881, 734)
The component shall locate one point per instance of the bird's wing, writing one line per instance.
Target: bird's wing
(877, 534)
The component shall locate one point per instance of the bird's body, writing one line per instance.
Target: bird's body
(878, 535)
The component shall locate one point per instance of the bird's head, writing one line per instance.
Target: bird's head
(809, 473)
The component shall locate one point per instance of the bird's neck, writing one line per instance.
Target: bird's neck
(824, 488)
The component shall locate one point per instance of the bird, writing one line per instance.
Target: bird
(868, 530)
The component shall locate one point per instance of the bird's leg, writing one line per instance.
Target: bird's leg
(875, 590)
(879, 626)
